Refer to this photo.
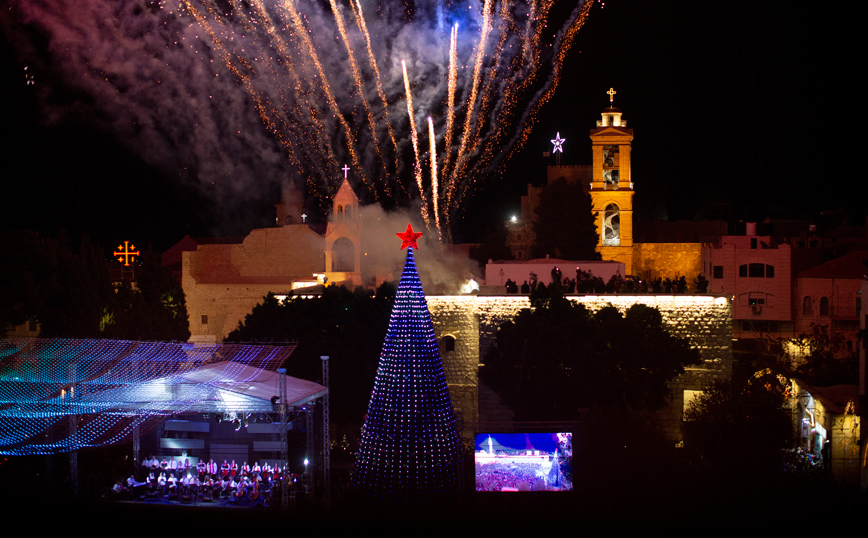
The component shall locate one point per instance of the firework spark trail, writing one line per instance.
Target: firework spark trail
(471, 100)
(357, 77)
(305, 84)
(491, 77)
(269, 112)
(274, 39)
(301, 33)
(363, 27)
(435, 191)
(232, 63)
(415, 138)
(563, 44)
(450, 106)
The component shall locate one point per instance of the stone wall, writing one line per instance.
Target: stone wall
(667, 260)
(704, 320)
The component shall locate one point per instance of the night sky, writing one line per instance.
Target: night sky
(740, 111)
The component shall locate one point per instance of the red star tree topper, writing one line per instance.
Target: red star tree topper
(408, 238)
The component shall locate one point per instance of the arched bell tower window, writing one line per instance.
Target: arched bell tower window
(343, 255)
(612, 226)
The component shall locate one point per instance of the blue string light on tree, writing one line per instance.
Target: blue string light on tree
(410, 451)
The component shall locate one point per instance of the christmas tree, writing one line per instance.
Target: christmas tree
(410, 451)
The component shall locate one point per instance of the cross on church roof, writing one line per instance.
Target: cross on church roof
(611, 93)
(345, 169)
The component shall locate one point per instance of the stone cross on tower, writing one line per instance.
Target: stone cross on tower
(611, 93)
(345, 169)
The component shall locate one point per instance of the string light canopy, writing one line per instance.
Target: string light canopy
(61, 395)
(410, 451)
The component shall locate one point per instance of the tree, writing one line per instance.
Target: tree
(819, 357)
(347, 326)
(410, 451)
(27, 273)
(74, 307)
(71, 294)
(565, 226)
(492, 247)
(557, 357)
(738, 428)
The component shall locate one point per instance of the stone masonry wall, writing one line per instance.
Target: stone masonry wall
(667, 260)
(704, 320)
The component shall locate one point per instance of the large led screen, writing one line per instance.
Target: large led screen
(524, 461)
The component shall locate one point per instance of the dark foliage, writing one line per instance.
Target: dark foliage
(492, 247)
(70, 293)
(738, 429)
(820, 358)
(347, 326)
(564, 226)
(557, 357)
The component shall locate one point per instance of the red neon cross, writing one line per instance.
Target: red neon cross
(126, 253)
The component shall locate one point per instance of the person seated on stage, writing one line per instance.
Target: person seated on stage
(206, 487)
(224, 485)
(191, 485)
(133, 485)
(161, 483)
(240, 490)
(118, 489)
(173, 484)
(216, 487)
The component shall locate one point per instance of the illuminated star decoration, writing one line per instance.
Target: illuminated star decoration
(559, 143)
(408, 238)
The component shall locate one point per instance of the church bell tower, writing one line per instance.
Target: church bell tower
(612, 186)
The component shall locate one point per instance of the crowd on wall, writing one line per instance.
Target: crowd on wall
(586, 283)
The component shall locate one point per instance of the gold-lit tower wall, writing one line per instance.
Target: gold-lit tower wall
(611, 188)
